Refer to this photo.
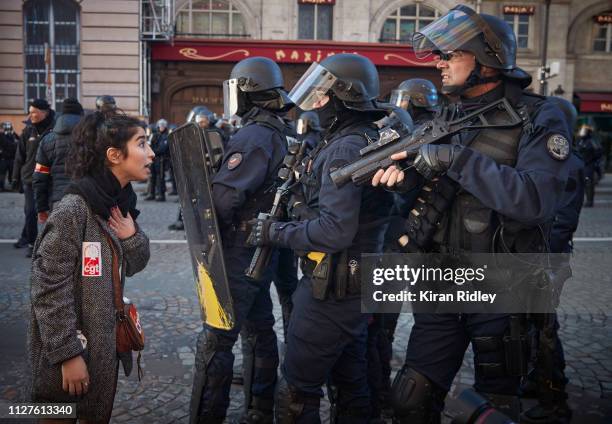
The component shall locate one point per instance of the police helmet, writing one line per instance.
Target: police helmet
(162, 123)
(308, 120)
(254, 81)
(198, 110)
(489, 38)
(7, 126)
(417, 91)
(568, 109)
(106, 102)
(352, 78)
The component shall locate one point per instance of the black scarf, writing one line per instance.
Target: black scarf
(102, 192)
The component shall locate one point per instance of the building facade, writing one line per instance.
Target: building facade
(162, 57)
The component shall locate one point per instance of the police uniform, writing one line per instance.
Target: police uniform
(497, 190)
(326, 338)
(505, 177)
(242, 187)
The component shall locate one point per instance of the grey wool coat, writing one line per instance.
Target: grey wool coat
(64, 301)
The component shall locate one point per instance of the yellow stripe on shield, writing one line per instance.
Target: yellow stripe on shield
(214, 313)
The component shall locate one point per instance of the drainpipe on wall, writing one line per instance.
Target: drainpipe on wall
(543, 69)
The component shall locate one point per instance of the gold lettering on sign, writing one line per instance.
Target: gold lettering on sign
(603, 19)
(519, 10)
(280, 54)
(606, 107)
(307, 57)
(294, 55)
(192, 53)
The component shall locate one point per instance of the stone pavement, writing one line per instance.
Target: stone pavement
(165, 295)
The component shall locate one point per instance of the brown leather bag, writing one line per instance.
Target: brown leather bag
(130, 335)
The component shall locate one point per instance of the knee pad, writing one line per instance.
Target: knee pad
(415, 398)
(290, 403)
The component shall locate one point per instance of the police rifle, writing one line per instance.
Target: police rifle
(292, 165)
(377, 154)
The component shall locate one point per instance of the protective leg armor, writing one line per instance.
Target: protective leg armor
(204, 405)
(293, 406)
(415, 399)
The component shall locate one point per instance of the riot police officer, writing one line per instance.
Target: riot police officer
(159, 144)
(241, 188)
(105, 103)
(590, 153)
(327, 331)
(547, 380)
(481, 183)
(418, 96)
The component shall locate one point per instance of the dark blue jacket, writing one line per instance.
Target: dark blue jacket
(50, 178)
(244, 184)
(349, 217)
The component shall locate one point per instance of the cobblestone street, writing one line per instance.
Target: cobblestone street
(165, 296)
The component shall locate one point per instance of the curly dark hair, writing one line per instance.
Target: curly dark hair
(93, 135)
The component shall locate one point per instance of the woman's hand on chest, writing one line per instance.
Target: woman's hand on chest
(123, 227)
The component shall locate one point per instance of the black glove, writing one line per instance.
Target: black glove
(260, 232)
(298, 210)
(435, 159)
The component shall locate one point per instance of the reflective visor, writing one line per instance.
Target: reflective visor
(230, 98)
(398, 96)
(312, 87)
(447, 33)
(302, 126)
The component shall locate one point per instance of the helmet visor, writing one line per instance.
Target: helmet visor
(399, 96)
(446, 34)
(312, 87)
(230, 98)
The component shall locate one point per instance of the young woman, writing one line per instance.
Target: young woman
(72, 332)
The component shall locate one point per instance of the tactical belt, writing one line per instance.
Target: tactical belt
(342, 281)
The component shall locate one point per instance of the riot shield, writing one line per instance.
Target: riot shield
(193, 170)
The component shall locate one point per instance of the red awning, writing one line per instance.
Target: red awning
(299, 51)
(595, 102)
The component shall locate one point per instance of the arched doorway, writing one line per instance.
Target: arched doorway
(184, 99)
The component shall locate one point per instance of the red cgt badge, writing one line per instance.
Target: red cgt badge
(92, 259)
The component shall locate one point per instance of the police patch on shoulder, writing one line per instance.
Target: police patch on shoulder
(558, 147)
(234, 161)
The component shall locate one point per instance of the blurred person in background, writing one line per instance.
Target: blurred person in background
(8, 147)
(50, 179)
(159, 144)
(590, 151)
(40, 122)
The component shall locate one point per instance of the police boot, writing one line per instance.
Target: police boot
(291, 405)
(161, 198)
(559, 413)
(150, 197)
(177, 226)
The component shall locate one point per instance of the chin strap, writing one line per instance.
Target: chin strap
(475, 78)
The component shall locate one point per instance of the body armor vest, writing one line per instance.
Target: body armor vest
(469, 225)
